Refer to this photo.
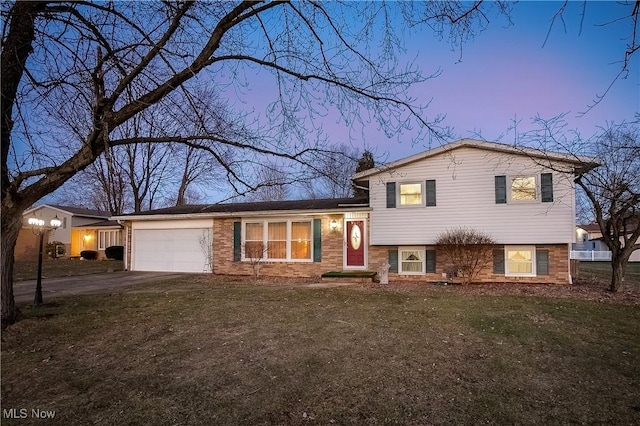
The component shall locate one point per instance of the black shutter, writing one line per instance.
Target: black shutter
(546, 187)
(431, 262)
(237, 241)
(391, 195)
(498, 261)
(542, 262)
(317, 240)
(430, 189)
(393, 260)
(501, 189)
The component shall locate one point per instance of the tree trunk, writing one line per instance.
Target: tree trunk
(618, 266)
(11, 224)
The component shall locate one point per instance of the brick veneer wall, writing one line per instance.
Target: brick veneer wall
(558, 268)
(223, 263)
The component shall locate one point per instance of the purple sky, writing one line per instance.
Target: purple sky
(509, 72)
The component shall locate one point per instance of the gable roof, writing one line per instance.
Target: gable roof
(579, 162)
(226, 209)
(74, 211)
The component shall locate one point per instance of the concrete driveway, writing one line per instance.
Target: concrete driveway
(53, 288)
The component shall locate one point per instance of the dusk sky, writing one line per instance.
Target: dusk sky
(508, 72)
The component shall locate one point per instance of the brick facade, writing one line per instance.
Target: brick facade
(558, 268)
(332, 247)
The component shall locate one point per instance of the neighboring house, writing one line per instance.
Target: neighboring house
(81, 229)
(590, 246)
(523, 198)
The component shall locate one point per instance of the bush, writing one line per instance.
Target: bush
(51, 249)
(89, 254)
(114, 252)
(465, 252)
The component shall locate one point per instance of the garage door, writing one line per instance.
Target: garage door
(171, 250)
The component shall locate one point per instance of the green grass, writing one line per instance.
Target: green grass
(601, 272)
(64, 268)
(221, 351)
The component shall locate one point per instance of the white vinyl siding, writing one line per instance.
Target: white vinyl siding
(466, 197)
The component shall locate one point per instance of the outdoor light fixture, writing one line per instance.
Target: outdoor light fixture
(39, 228)
(333, 225)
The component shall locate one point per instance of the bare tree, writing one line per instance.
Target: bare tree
(88, 69)
(466, 251)
(613, 190)
(609, 180)
(333, 176)
(272, 183)
(254, 252)
(626, 12)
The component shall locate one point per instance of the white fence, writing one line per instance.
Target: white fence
(591, 256)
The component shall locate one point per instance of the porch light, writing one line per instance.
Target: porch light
(333, 225)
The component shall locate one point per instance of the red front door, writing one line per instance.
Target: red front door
(355, 243)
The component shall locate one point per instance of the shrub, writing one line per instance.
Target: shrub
(114, 252)
(89, 254)
(466, 251)
(51, 249)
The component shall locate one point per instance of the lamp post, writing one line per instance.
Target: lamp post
(40, 229)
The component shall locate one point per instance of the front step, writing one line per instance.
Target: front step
(349, 276)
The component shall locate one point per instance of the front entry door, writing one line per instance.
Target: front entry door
(356, 243)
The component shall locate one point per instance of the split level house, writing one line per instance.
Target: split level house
(523, 198)
(80, 229)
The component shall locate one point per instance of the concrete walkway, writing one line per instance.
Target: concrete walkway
(52, 288)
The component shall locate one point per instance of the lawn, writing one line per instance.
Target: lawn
(601, 272)
(64, 268)
(204, 350)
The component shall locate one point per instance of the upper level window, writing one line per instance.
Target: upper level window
(410, 194)
(523, 188)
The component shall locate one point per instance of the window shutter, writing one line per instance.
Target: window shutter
(430, 189)
(546, 187)
(501, 189)
(542, 262)
(237, 241)
(317, 240)
(391, 195)
(393, 261)
(431, 262)
(498, 261)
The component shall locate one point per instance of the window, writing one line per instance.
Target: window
(254, 247)
(410, 194)
(279, 240)
(412, 260)
(108, 238)
(523, 188)
(277, 243)
(301, 240)
(520, 261)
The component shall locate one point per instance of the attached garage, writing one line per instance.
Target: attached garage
(178, 246)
